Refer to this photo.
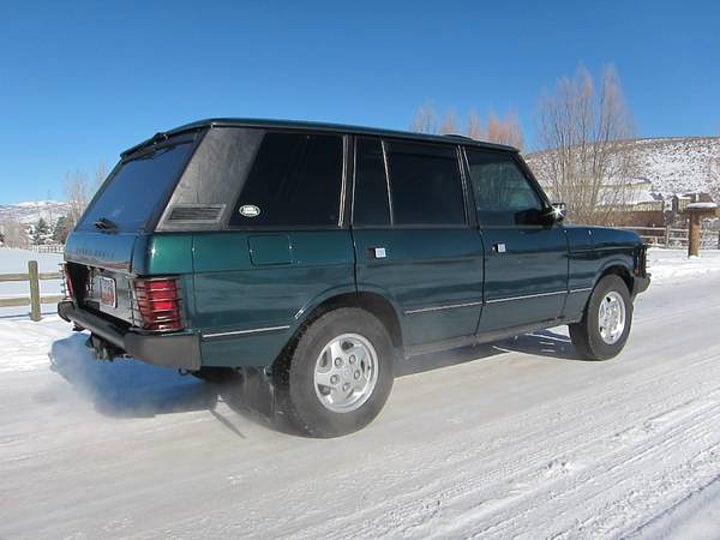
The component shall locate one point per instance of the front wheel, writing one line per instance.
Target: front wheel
(338, 375)
(605, 326)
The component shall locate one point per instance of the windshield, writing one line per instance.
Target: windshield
(131, 196)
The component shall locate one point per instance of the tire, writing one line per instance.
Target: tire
(605, 326)
(216, 375)
(336, 375)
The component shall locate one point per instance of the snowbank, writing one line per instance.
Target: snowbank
(26, 344)
(668, 265)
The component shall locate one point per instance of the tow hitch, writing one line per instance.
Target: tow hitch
(103, 350)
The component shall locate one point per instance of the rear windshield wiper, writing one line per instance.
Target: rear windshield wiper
(105, 224)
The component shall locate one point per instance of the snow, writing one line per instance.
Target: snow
(696, 517)
(31, 211)
(674, 265)
(14, 261)
(512, 439)
(642, 196)
(38, 204)
(675, 165)
(702, 206)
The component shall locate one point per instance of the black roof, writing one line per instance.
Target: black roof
(315, 126)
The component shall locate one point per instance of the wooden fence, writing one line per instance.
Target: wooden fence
(674, 238)
(34, 300)
(47, 248)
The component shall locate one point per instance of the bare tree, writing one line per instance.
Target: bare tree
(77, 192)
(475, 129)
(100, 173)
(14, 233)
(505, 131)
(583, 130)
(425, 120)
(449, 123)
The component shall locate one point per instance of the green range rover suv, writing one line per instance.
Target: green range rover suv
(324, 253)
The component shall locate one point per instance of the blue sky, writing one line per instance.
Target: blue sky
(81, 81)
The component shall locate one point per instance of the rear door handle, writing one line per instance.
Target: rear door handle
(377, 252)
(499, 247)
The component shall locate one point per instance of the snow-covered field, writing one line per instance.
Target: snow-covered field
(513, 439)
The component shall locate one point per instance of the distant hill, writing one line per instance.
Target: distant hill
(30, 212)
(671, 165)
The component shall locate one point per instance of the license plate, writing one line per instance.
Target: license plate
(108, 293)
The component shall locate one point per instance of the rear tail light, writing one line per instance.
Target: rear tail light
(158, 303)
(68, 292)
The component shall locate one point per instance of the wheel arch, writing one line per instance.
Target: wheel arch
(295, 371)
(617, 268)
(374, 303)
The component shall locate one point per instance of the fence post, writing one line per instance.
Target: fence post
(34, 291)
(667, 236)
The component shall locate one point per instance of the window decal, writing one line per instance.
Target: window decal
(249, 210)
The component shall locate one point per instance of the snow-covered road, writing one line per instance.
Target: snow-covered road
(512, 439)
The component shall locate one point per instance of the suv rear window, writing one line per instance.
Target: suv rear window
(133, 193)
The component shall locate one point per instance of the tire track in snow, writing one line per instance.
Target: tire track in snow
(415, 507)
(407, 508)
(647, 468)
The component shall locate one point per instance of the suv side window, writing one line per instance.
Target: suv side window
(371, 206)
(503, 194)
(425, 184)
(295, 180)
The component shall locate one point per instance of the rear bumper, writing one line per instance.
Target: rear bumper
(169, 350)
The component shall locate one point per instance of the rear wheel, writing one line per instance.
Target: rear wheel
(338, 375)
(605, 326)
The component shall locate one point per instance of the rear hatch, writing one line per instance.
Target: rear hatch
(109, 243)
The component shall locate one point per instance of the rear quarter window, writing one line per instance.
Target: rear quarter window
(295, 181)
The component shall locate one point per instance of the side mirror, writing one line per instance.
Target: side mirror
(535, 216)
(559, 211)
